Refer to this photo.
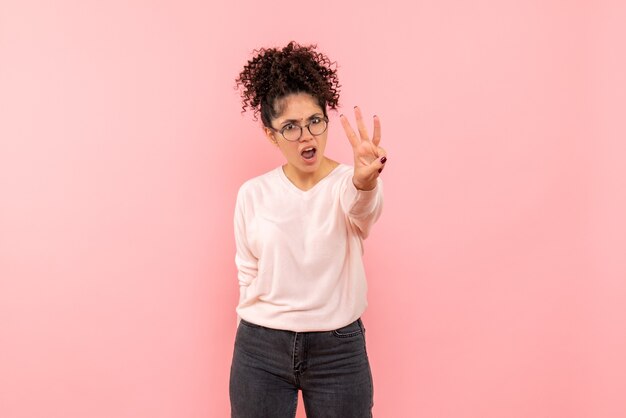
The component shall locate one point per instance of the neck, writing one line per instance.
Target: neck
(306, 181)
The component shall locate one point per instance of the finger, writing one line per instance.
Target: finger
(360, 125)
(376, 165)
(381, 163)
(369, 150)
(376, 137)
(349, 131)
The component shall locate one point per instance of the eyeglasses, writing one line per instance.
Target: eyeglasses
(293, 132)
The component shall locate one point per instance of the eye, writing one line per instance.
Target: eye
(315, 120)
(289, 127)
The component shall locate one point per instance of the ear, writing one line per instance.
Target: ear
(270, 135)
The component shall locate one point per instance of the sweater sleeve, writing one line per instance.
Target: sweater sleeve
(245, 260)
(363, 208)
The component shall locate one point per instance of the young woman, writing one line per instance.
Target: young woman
(299, 231)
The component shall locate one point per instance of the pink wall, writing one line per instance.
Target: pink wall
(497, 272)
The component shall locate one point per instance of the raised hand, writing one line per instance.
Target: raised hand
(369, 158)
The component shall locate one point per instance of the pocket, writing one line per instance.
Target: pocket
(350, 330)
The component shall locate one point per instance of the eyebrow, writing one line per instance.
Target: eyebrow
(315, 115)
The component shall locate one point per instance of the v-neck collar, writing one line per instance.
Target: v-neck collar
(296, 189)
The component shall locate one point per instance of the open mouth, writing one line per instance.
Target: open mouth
(308, 153)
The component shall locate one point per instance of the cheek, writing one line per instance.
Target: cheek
(322, 143)
(288, 152)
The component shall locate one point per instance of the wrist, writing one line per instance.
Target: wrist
(364, 186)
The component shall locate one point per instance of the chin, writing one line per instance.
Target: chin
(311, 168)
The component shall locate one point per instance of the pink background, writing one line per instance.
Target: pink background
(497, 273)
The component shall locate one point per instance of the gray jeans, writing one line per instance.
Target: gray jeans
(330, 367)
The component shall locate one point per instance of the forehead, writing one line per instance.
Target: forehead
(297, 106)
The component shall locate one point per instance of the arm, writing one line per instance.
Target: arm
(363, 207)
(362, 198)
(246, 262)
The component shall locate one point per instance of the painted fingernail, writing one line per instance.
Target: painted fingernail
(383, 160)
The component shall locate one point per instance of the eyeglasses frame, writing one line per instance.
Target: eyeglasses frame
(307, 126)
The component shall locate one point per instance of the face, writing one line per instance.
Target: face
(307, 153)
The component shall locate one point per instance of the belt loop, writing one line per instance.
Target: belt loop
(361, 325)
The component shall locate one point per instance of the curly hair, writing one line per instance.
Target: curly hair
(274, 73)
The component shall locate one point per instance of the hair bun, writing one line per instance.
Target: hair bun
(273, 73)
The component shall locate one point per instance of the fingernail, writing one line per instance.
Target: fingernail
(380, 170)
(341, 116)
(383, 160)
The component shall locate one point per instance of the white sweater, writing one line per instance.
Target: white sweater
(299, 253)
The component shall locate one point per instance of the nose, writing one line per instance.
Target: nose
(306, 134)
